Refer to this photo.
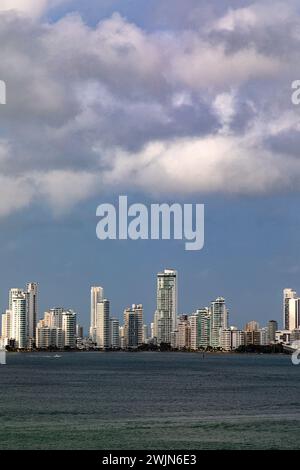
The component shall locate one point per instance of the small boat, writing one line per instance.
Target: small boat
(57, 356)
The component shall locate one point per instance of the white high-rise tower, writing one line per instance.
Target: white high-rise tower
(102, 321)
(32, 306)
(288, 294)
(165, 318)
(14, 291)
(97, 295)
(19, 319)
(219, 320)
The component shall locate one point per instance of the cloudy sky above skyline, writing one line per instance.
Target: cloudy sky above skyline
(158, 99)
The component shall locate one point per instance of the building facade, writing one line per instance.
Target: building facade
(219, 321)
(288, 294)
(114, 333)
(102, 324)
(165, 317)
(133, 326)
(32, 310)
(97, 295)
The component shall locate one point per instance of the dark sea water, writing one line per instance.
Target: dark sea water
(149, 401)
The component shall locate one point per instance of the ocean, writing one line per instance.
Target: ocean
(149, 400)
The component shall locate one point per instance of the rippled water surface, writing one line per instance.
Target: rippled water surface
(149, 401)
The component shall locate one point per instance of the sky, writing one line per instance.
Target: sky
(164, 101)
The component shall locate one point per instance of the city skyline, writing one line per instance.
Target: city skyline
(22, 327)
(86, 320)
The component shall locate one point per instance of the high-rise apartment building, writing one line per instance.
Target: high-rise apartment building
(6, 325)
(272, 328)
(145, 334)
(58, 329)
(232, 338)
(219, 320)
(19, 319)
(165, 317)
(69, 328)
(114, 333)
(48, 336)
(253, 337)
(288, 294)
(152, 330)
(225, 339)
(183, 332)
(194, 331)
(293, 313)
(122, 337)
(133, 326)
(22, 316)
(204, 327)
(237, 338)
(32, 309)
(79, 331)
(264, 340)
(102, 324)
(97, 295)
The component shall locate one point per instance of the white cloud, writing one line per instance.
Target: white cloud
(32, 8)
(205, 66)
(117, 107)
(224, 106)
(64, 189)
(214, 164)
(16, 193)
(257, 15)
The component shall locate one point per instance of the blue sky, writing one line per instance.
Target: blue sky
(166, 101)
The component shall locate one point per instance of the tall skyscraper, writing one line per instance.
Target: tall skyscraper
(19, 319)
(225, 339)
(122, 337)
(293, 313)
(204, 327)
(6, 325)
(219, 320)
(237, 338)
(183, 332)
(194, 331)
(114, 333)
(19, 299)
(79, 331)
(152, 330)
(165, 317)
(69, 328)
(133, 326)
(102, 324)
(272, 328)
(97, 295)
(145, 334)
(287, 295)
(32, 306)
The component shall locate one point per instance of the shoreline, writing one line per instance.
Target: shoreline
(200, 353)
